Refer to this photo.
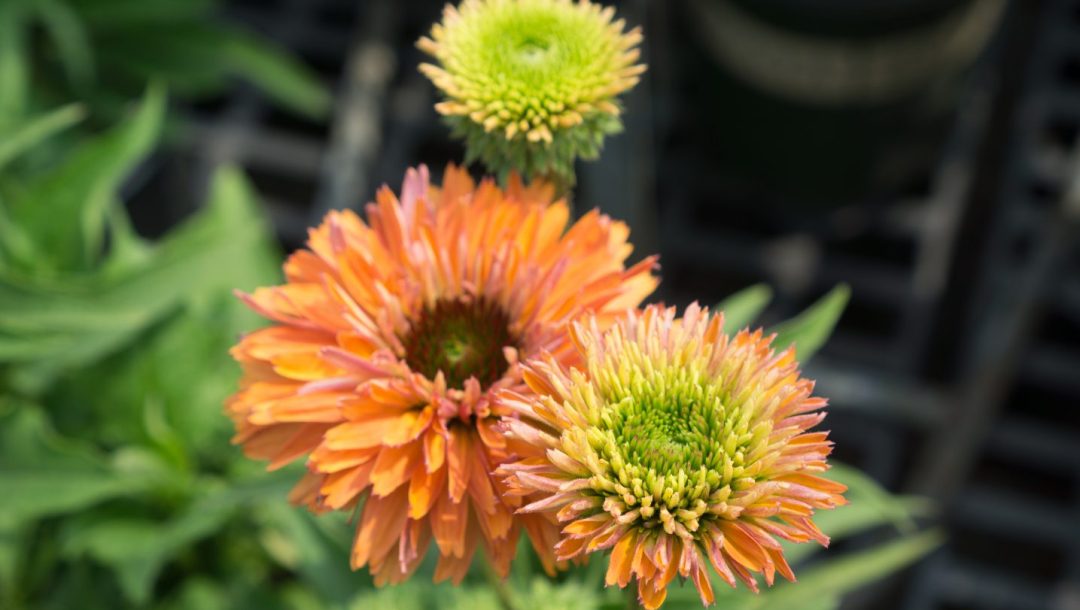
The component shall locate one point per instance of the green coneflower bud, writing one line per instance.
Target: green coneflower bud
(531, 85)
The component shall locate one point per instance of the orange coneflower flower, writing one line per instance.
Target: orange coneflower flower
(674, 446)
(392, 336)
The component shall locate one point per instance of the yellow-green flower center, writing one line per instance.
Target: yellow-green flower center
(672, 445)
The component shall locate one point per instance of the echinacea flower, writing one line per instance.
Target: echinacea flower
(391, 336)
(674, 446)
(532, 84)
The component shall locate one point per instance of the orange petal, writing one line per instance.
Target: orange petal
(650, 594)
(342, 487)
(621, 562)
(741, 547)
(424, 489)
(411, 424)
(380, 527)
(393, 467)
(362, 434)
(458, 454)
(449, 524)
(326, 460)
(434, 450)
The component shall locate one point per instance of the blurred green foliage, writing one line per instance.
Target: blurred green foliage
(121, 487)
(103, 52)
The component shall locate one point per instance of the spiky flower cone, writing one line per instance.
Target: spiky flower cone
(391, 337)
(532, 84)
(674, 446)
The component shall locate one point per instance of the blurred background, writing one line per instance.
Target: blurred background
(922, 151)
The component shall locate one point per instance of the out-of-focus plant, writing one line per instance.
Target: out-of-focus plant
(103, 52)
(120, 486)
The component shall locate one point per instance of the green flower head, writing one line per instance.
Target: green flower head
(532, 84)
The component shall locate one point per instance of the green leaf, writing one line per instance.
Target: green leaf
(809, 330)
(12, 545)
(112, 15)
(900, 511)
(743, 307)
(137, 548)
(202, 593)
(14, 63)
(43, 475)
(845, 574)
(80, 319)
(65, 210)
(869, 507)
(315, 547)
(22, 136)
(282, 77)
(70, 38)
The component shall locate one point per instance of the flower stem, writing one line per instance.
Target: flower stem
(631, 598)
(501, 588)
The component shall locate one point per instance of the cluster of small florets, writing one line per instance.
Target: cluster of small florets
(674, 439)
(532, 84)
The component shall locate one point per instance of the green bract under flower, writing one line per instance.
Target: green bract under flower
(531, 84)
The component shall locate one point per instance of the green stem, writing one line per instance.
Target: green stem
(501, 587)
(631, 598)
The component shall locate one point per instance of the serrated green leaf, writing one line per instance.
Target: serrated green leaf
(83, 318)
(809, 330)
(64, 211)
(743, 307)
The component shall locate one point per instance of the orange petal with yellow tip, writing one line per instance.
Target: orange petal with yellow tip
(410, 425)
(589, 525)
(361, 435)
(304, 366)
(434, 450)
